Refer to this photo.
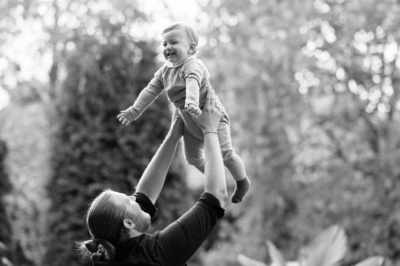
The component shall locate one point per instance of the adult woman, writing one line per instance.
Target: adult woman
(118, 222)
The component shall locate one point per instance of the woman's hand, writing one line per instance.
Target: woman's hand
(209, 119)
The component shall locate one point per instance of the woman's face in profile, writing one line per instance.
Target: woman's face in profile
(141, 219)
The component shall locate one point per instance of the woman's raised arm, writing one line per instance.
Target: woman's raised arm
(153, 178)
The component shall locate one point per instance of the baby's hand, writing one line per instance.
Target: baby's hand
(126, 117)
(193, 109)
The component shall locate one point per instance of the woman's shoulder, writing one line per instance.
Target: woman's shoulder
(137, 250)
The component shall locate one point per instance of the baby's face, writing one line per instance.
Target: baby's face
(176, 46)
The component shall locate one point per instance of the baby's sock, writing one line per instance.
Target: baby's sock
(241, 189)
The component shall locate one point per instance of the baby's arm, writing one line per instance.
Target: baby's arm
(193, 75)
(127, 116)
(192, 97)
(146, 97)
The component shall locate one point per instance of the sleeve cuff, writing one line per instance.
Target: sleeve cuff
(145, 204)
(133, 111)
(213, 203)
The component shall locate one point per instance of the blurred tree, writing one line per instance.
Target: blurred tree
(5, 186)
(312, 90)
(28, 152)
(251, 52)
(8, 29)
(10, 250)
(97, 68)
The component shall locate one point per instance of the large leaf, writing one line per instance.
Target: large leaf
(246, 261)
(372, 261)
(276, 256)
(327, 249)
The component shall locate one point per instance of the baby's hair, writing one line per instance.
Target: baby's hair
(189, 30)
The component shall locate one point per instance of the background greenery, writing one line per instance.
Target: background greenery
(312, 88)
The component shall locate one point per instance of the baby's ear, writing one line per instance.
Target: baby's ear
(192, 48)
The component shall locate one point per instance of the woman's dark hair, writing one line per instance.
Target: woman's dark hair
(105, 224)
(97, 249)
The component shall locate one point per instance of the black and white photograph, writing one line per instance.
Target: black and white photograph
(199, 132)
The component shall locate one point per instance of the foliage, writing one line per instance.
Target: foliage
(321, 89)
(5, 186)
(28, 151)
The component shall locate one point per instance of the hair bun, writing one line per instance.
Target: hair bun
(91, 245)
(100, 249)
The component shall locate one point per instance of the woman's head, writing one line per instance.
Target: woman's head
(105, 219)
(113, 217)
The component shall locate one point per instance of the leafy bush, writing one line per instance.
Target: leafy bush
(5, 187)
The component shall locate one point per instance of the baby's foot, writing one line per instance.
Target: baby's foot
(193, 109)
(242, 187)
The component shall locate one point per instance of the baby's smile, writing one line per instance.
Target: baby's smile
(171, 56)
(170, 52)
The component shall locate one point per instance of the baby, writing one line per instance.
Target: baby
(185, 80)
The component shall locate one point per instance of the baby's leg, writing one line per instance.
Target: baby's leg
(193, 150)
(236, 167)
(233, 162)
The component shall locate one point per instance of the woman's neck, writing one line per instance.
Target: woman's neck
(133, 233)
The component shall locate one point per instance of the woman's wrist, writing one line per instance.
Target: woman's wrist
(210, 132)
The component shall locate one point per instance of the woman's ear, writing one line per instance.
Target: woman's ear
(128, 223)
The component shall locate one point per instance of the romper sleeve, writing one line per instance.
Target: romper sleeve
(148, 95)
(193, 74)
